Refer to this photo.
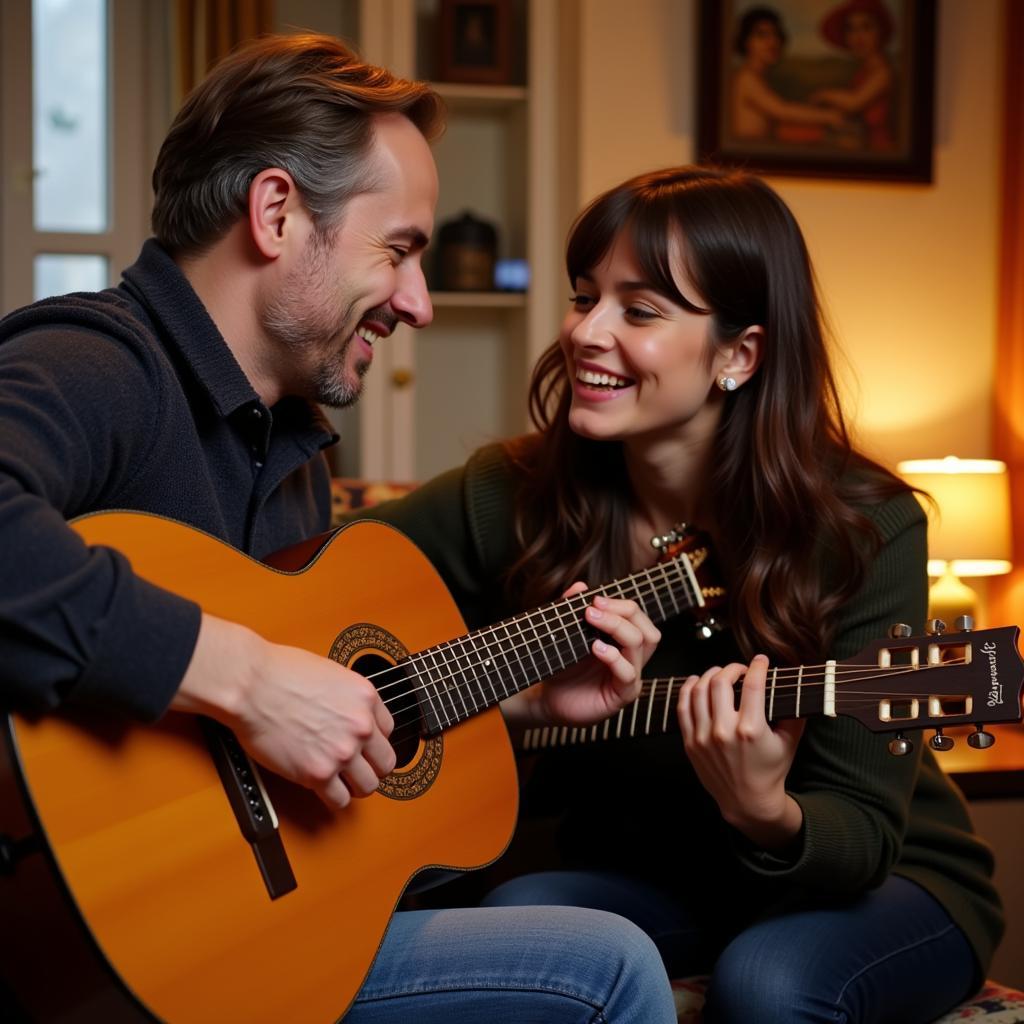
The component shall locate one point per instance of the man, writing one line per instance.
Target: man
(294, 197)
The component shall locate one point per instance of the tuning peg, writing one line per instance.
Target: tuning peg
(935, 627)
(899, 631)
(981, 740)
(964, 623)
(674, 535)
(900, 746)
(941, 742)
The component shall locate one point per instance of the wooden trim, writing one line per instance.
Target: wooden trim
(1006, 592)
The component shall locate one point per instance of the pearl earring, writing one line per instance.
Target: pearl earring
(727, 383)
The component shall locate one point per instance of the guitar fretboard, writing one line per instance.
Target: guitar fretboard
(463, 677)
(800, 694)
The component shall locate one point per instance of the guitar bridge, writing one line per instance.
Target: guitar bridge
(254, 812)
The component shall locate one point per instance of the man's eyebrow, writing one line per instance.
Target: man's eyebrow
(411, 234)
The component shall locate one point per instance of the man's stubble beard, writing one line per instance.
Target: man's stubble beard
(301, 319)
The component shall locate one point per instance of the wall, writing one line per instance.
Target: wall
(908, 272)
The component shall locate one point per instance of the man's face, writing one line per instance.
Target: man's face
(354, 282)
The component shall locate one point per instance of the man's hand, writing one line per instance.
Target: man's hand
(601, 684)
(302, 715)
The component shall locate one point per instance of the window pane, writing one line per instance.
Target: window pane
(57, 274)
(69, 118)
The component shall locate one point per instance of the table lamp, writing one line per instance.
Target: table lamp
(968, 530)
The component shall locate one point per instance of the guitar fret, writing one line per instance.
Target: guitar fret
(452, 672)
(537, 673)
(433, 724)
(471, 673)
(668, 704)
(515, 669)
(669, 590)
(657, 600)
(650, 708)
(632, 718)
(490, 673)
(429, 669)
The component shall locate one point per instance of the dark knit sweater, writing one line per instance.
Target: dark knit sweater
(638, 806)
(131, 399)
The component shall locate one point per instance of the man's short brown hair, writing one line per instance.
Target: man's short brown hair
(304, 103)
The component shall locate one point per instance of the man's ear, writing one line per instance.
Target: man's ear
(274, 205)
(742, 356)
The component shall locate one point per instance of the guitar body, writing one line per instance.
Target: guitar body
(135, 839)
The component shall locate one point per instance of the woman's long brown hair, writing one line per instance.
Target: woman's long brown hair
(786, 482)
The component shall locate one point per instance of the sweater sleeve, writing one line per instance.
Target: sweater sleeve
(855, 795)
(76, 624)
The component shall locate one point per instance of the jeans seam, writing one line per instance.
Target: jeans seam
(888, 956)
(488, 987)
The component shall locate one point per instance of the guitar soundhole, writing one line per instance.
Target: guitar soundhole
(375, 653)
(394, 690)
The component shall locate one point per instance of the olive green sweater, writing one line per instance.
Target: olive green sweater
(625, 805)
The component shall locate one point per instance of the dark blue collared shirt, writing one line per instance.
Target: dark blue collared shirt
(131, 399)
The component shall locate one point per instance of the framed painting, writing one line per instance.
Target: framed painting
(834, 88)
(475, 41)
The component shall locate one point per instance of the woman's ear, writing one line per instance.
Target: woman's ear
(742, 356)
(274, 206)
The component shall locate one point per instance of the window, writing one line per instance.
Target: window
(78, 144)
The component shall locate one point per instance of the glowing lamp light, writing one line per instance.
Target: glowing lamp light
(968, 528)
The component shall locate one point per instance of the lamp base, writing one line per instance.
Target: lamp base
(949, 597)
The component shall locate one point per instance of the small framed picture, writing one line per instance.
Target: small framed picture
(475, 44)
(833, 88)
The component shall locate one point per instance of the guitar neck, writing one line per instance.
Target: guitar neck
(932, 682)
(790, 693)
(466, 676)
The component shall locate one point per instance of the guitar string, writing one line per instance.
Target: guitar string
(553, 616)
(539, 737)
(868, 673)
(528, 670)
(565, 642)
(792, 672)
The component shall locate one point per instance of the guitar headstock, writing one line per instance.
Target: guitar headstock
(697, 546)
(936, 681)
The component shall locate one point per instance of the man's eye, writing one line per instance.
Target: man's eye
(580, 300)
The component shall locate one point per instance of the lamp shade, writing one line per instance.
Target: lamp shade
(969, 530)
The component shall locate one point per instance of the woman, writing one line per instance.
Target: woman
(820, 878)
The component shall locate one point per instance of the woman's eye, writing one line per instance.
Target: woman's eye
(581, 301)
(639, 313)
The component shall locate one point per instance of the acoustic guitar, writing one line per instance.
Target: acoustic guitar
(155, 872)
(937, 681)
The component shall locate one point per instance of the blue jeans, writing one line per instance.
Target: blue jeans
(530, 965)
(892, 954)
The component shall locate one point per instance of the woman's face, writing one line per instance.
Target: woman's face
(639, 364)
(763, 43)
(862, 33)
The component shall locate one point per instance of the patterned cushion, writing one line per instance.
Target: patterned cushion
(348, 493)
(996, 1003)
